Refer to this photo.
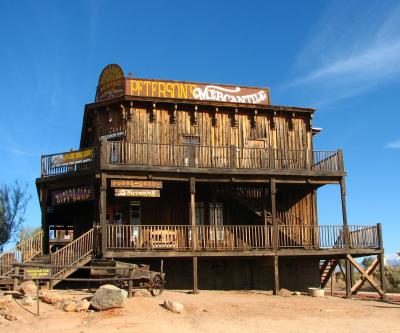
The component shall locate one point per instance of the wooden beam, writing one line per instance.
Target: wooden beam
(348, 278)
(367, 276)
(195, 276)
(192, 185)
(103, 213)
(273, 212)
(357, 286)
(276, 275)
(45, 226)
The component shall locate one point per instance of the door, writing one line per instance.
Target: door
(190, 150)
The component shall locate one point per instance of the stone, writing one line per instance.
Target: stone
(50, 297)
(174, 306)
(297, 293)
(108, 297)
(69, 305)
(27, 300)
(285, 293)
(10, 317)
(28, 288)
(316, 292)
(83, 305)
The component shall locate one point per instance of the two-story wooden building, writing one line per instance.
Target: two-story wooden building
(214, 179)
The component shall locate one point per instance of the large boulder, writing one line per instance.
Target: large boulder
(28, 288)
(108, 297)
(174, 306)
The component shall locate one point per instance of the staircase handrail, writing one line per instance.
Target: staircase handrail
(72, 252)
(22, 252)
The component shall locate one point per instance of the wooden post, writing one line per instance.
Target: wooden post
(192, 186)
(130, 283)
(346, 236)
(273, 212)
(45, 227)
(103, 212)
(381, 258)
(104, 158)
(195, 277)
(15, 280)
(276, 275)
(271, 151)
(233, 157)
(274, 235)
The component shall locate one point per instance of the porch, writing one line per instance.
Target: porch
(153, 239)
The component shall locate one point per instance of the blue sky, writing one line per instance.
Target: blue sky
(341, 57)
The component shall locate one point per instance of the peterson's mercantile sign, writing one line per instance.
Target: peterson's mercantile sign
(112, 83)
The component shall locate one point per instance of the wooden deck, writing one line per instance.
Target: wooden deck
(189, 157)
(238, 239)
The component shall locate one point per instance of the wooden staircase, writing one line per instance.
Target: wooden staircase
(23, 252)
(326, 270)
(251, 198)
(77, 253)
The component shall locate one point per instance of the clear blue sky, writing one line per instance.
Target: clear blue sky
(342, 57)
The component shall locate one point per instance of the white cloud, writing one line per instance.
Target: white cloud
(352, 49)
(394, 144)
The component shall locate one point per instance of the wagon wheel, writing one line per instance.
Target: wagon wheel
(157, 285)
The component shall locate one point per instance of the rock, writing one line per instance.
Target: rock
(27, 300)
(174, 306)
(28, 288)
(108, 297)
(83, 305)
(69, 305)
(10, 317)
(50, 297)
(5, 300)
(285, 293)
(297, 293)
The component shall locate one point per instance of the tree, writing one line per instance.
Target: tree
(13, 201)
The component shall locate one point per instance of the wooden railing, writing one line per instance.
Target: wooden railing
(235, 237)
(21, 253)
(72, 253)
(184, 155)
(52, 165)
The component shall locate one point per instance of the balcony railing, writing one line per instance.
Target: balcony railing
(193, 156)
(236, 237)
(197, 156)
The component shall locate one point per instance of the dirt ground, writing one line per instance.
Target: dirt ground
(217, 311)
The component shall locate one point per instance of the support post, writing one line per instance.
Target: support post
(276, 275)
(345, 236)
(130, 283)
(195, 277)
(274, 235)
(381, 259)
(348, 278)
(15, 280)
(45, 227)
(103, 212)
(192, 186)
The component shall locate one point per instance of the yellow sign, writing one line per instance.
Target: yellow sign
(136, 183)
(35, 273)
(73, 157)
(132, 192)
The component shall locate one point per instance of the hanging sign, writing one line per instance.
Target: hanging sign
(144, 193)
(136, 183)
(112, 136)
(72, 195)
(73, 157)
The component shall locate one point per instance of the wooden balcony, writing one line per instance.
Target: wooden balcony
(184, 156)
(184, 238)
(196, 157)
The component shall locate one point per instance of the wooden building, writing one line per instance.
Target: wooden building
(213, 179)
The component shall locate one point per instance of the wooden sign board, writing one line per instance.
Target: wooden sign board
(73, 157)
(136, 183)
(131, 192)
(72, 195)
(36, 273)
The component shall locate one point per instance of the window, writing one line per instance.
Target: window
(135, 213)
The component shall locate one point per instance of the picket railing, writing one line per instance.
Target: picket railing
(23, 252)
(72, 253)
(236, 237)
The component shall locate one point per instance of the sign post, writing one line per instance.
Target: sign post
(37, 274)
